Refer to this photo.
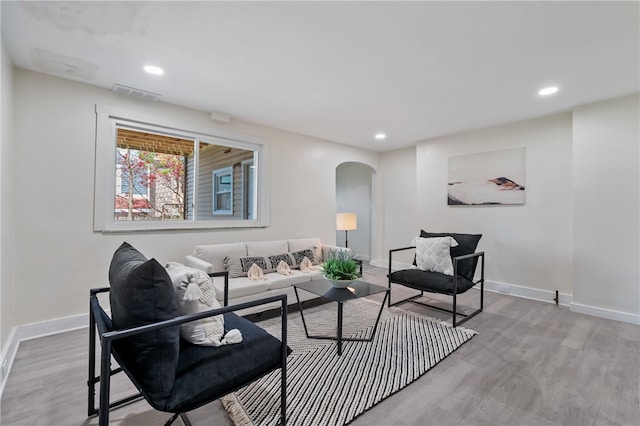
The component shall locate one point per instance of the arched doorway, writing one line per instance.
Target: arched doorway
(354, 193)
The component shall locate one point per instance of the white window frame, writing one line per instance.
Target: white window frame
(109, 119)
(245, 178)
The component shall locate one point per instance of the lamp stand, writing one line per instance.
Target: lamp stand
(346, 241)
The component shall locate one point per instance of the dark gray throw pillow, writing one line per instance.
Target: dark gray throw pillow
(467, 244)
(142, 293)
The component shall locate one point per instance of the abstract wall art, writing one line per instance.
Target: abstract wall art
(487, 178)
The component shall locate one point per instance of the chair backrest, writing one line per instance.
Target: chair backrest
(142, 293)
(467, 244)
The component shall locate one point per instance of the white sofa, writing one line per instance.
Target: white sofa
(222, 257)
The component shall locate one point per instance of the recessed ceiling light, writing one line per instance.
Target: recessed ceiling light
(548, 91)
(151, 69)
(380, 136)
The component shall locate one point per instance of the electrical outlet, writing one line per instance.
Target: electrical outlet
(504, 289)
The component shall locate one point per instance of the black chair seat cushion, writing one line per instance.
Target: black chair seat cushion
(467, 244)
(433, 282)
(142, 293)
(206, 372)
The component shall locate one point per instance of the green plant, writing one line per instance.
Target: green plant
(340, 266)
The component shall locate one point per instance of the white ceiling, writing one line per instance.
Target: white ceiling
(342, 71)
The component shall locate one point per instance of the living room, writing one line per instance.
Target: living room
(577, 233)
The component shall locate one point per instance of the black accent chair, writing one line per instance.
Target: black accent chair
(171, 374)
(464, 259)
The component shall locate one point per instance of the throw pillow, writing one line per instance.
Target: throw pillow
(238, 267)
(142, 293)
(284, 268)
(467, 244)
(195, 293)
(306, 265)
(255, 273)
(285, 257)
(433, 254)
(299, 255)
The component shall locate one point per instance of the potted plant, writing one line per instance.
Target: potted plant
(340, 268)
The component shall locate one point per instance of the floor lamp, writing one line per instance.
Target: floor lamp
(346, 222)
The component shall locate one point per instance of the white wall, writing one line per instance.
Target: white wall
(579, 230)
(354, 194)
(526, 245)
(7, 311)
(606, 189)
(399, 203)
(58, 257)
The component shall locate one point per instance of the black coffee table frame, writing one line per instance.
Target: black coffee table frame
(355, 290)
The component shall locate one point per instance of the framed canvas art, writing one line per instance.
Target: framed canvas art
(487, 178)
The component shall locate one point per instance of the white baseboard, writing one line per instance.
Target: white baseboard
(548, 296)
(540, 295)
(32, 331)
(605, 313)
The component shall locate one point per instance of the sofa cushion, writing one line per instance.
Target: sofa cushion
(142, 293)
(277, 281)
(215, 253)
(467, 244)
(239, 287)
(267, 248)
(307, 243)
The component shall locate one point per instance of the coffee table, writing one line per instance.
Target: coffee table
(355, 290)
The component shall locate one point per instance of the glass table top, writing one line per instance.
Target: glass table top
(355, 290)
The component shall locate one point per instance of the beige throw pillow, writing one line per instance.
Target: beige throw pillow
(284, 268)
(195, 293)
(433, 254)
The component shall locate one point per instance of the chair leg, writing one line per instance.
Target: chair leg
(105, 383)
(455, 299)
(91, 381)
(183, 417)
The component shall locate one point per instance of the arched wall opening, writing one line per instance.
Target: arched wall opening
(355, 192)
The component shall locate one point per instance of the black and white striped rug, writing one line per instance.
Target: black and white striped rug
(326, 389)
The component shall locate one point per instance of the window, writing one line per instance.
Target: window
(151, 176)
(156, 165)
(223, 191)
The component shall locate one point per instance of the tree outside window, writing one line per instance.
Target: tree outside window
(150, 184)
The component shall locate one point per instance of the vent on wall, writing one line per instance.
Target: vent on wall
(136, 93)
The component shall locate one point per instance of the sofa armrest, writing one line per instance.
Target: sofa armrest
(326, 249)
(194, 262)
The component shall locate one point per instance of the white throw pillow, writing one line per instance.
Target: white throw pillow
(195, 293)
(433, 254)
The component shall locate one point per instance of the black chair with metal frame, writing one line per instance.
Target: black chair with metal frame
(464, 260)
(171, 374)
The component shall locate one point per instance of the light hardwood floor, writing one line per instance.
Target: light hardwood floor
(532, 363)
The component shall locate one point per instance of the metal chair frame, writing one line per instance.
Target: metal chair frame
(107, 339)
(454, 293)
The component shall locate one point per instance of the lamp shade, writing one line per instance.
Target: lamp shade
(346, 221)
